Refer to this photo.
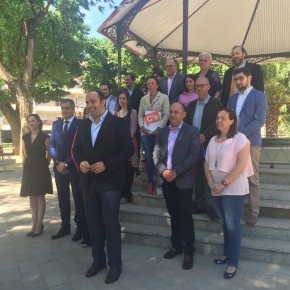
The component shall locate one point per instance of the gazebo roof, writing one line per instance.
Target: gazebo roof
(154, 27)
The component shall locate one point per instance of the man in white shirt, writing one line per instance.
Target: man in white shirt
(111, 101)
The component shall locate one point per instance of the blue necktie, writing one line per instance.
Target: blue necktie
(65, 129)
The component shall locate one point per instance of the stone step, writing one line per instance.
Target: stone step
(268, 176)
(275, 176)
(257, 249)
(274, 200)
(268, 228)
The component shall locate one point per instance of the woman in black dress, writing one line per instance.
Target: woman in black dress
(36, 179)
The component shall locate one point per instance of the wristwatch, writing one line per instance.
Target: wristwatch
(65, 164)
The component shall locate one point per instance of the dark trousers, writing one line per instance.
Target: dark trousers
(202, 191)
(63, 183)
(126, 192)
(84, 224)
(179, 206)
(102, 212)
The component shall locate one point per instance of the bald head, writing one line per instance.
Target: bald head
(176, 115)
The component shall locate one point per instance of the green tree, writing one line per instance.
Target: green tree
(41, 47)
(276, 77)
(101, 65)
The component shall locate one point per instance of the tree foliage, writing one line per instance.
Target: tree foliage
(42, 44)
(101, 65)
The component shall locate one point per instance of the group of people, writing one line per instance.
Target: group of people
(199, 136)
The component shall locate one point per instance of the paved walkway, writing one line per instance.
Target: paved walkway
(41, 263)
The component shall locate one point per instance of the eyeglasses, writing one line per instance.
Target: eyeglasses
(201, 86)
(170, 65)
(239, 79)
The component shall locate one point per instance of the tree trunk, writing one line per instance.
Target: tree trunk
(13, 119)
(272, 120)
(24, 105)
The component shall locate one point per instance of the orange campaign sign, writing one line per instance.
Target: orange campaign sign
(152, 120)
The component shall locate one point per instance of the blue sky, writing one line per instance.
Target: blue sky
(94, 18)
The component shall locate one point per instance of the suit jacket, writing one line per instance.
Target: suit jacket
(185, 154)
(208, 125)
(60, 146)
(257, 80)
(113, 146)
(176, 89)
(252, 116)
(136, 96)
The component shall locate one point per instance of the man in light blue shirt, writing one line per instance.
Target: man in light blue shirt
(201, 113)
(111, 101)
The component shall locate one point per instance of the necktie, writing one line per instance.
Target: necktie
(65, 129)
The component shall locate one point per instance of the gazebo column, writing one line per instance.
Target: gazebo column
(185, 37)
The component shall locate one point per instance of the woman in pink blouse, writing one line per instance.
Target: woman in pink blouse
(227, 168)
(189, 94)
(124, 110)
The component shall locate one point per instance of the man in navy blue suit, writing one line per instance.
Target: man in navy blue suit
(62, 136)
(251, 108)
(101, 151)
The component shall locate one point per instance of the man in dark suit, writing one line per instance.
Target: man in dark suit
(62, 135)
(172, 84)
(229, 87)
(136, 94)
(251, 108)
(101, 151)
(202, 113)
(175, 155)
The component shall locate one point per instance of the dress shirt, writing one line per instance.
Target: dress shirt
(171, 142)
(241, 100)
(196, 121)
(130, 91)
(68, 124)
(95, 128)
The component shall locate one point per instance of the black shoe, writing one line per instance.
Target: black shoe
(228, 275)
(187, 262)
(198, 210)
(95, 269)
(61, 233)
(212, 215)
(221, 261)
(85, 244)
(35, 235)
(77, 236)
(172, 253)
(113, 275)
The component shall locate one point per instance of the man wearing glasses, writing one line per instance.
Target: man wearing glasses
(172, 84)
(251, 108)
(202, 113)
(238, 58)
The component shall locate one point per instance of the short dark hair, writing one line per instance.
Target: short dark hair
(132, 76)
(233, 130)
(129, 105)
(70, 101)
(157, 82)
(106, 84)
(243, 70)
(36, 116)
(241, 47)
(158, 72)
(191, 76)
(101, 95)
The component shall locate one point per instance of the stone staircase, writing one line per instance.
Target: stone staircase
(146, 221)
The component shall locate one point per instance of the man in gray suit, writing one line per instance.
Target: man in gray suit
(175, 154)
(251, 107)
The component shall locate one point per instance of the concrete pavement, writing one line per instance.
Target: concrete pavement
(41, 263)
